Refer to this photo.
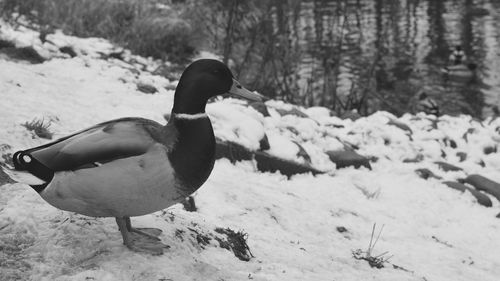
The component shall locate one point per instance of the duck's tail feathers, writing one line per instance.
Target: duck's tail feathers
(24, 161)
(22, 176)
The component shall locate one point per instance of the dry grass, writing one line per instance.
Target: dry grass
(148, 28)
(236, 241)
(39, 127)
(377, 261)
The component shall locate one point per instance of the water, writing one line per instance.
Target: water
(378, 54)
(391, 50)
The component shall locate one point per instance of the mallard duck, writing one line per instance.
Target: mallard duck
(457, 56)
(133, 166)
(424, 103)
(458, 70)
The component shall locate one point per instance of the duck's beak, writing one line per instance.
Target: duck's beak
(240, 91)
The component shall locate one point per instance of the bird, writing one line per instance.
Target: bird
(423, 103)
(457, 56)
(134, 166)
(458, 70)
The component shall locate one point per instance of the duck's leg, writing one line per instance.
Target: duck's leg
(138, 240)
(122, 226)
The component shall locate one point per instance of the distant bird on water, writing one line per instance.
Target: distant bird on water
(134, 166)
(458, 70)
(424, 103)
(457, 56)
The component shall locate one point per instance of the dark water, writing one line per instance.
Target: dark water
(387, 51)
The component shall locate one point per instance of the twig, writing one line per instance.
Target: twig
(374, 261)
(371, 239)
(380, 232)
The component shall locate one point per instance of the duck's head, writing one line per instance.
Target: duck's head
(458, 55)
(204, 79)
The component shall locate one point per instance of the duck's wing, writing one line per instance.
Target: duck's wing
(102, 143)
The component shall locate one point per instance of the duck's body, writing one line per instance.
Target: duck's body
(459, 70)
(423, 103)
(124, 167)
(126, 186)
(133, 166)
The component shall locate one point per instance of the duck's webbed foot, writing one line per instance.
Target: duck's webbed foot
(150, 232)
(141, 239)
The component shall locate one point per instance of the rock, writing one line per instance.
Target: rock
(462, 156)
(415, 159)
(294, 111)
(6, 44)
(426, 173)
(260, 107)
(400, 125)
(265, 161)
(456, 185)
(23, 53)
(303, 153)
(68, 50)
(341, 229)
(447, 167)
(264, 143)
(484, 184)
(119, 55)
(270, 163)
(146, 88)
(232, 151)
(449, 142)
(293, 130)
(481, 198)
(490, 149)
(338, 126)
(443, 154)
(352, 114)
(346, 158)
(468, 132)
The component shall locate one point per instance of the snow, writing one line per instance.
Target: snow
(293, 225)
(237, 123)
(282, 146)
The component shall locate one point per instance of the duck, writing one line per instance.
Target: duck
(424, 103)
(458, 70)
(457, 56)
(133, 166)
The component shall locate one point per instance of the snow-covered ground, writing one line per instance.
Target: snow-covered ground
(302, 228)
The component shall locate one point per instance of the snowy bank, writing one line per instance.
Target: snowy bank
(300, 228)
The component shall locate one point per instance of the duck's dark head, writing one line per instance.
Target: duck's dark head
(458, 55)
(202, 80)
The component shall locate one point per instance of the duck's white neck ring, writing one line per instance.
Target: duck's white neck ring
(187, 116)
